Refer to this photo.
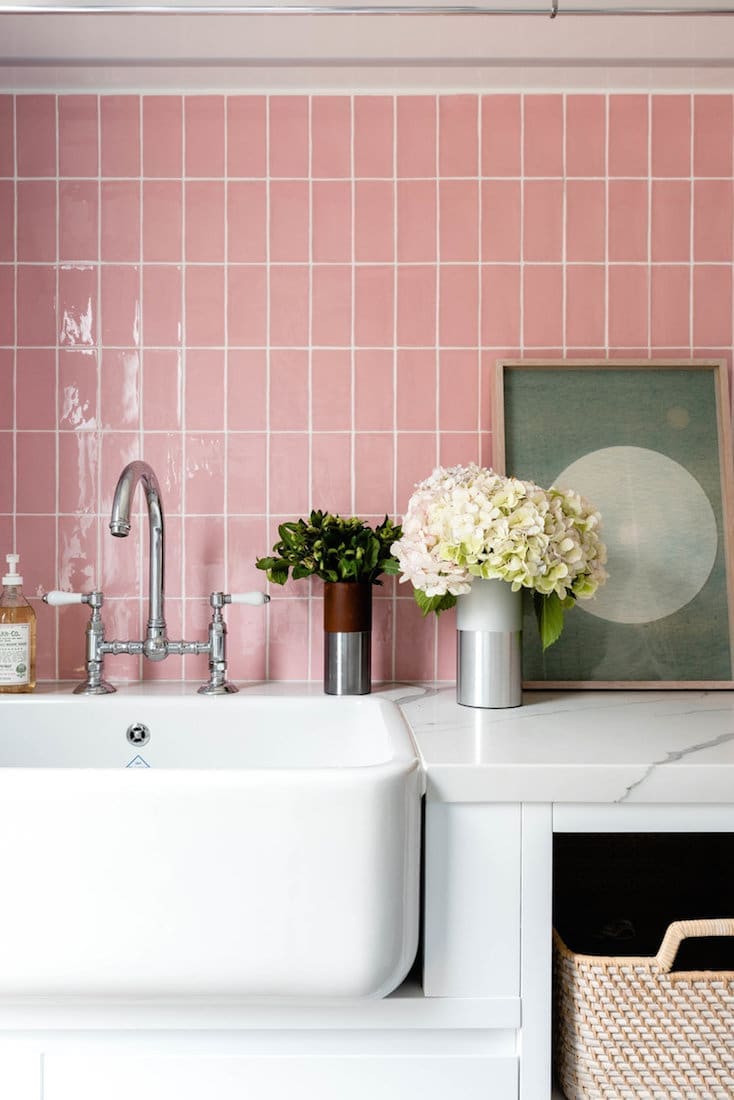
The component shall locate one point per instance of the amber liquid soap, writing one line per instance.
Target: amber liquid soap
(17, 634)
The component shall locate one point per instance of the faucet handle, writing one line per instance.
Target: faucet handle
(57, 598)
(256, 599)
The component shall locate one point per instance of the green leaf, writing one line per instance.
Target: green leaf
(549, 613)
(433, 603)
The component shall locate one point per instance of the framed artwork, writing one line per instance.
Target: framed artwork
(649, 444)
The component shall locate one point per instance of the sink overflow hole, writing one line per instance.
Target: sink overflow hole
(138, 734)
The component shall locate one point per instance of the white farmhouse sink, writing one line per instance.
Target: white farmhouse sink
(257, 845)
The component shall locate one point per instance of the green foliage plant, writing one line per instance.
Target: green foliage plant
(334, 548)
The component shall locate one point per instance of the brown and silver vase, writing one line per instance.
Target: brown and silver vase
(347, 638)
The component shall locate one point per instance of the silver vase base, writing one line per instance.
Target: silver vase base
(489, 669)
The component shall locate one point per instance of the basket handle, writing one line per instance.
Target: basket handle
(681, 930)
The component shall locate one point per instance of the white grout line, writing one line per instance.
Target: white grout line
(268, 535)
(649, 224)
(309, 368)
(606, 223)
(691, 229)
(182, 379)
(564, 228)
(395, 505)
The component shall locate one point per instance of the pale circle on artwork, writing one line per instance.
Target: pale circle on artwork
(658, 526)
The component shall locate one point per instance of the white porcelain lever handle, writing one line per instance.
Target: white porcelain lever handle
(60, 599)
(253, 598)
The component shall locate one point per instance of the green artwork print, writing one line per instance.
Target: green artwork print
(641, 443)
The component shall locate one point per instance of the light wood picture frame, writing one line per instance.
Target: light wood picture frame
(648, 442)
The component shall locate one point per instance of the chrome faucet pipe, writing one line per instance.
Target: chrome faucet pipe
(154, 646)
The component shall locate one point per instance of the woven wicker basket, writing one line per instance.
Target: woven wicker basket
(630, 1028)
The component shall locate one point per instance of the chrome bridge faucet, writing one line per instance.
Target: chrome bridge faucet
(156, 645)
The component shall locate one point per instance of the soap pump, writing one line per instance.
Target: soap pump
(17, 633)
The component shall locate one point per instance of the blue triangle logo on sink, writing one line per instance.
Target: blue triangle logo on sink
(138, 762)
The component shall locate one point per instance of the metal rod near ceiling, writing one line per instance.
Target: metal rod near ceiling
(554, 9)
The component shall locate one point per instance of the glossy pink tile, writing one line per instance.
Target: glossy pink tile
(162, 221)
(458, 306)
(162, 136)
(585, 221)
(331, 306)
(289, 390)
(120, 390)
(164, 451)
(205, 308)
(416, 136)
(374, 466)
(121, 574)
(77, 319)
(7, 136)
(288, 118)
(77, 390)
(72, 624)
(459, 390)
(382, 639)
(458, 448)
(36, 471)
(288, 474)
(246, 390)
(500, 325)
(628, 219)
(116, 450)
(35, 134)
(6, 485)
(712, 220)
(446, 645)
(331, 481)
(712, 135)
(585, 135)
(331, 390)
(121, 305)
(416, 305)
(542, 306)
(543, 220)
(204, 391)
(416, 390)
(204, 474)
(331, 136)
(247, 306)
(7, 221)
(162, 308)
(246, 221)
(246, 135)
(6, 389)
(204, 571)
(247, 473)
(628, 135)
(120, 128)
(415, 642)
(670, 306)
(373, 390)
(78, 135)
(247, 538)
(457, 135)
(7, 306)
(204, 135)
(501, 206)
(374, 221)
(121, 211)
(417, 454)
(671, 135)
(289, 639)
(373, 306)
(36, 221)
(247, 642)
(712, 296)
(373, 136)
(35, 398)
(543, 135)
(331, 221)
(458, 202)
(204, 205)
(585, 305)
(36, 305)
(162, 390)
(289, 221)
(77, 562)
(78, 221)
(628, 306)
(671, 221)
(416, 217)
(289, 306)
(501, 154)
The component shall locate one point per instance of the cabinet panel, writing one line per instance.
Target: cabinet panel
(20, 1072)
(116, 1077)
(472, 895)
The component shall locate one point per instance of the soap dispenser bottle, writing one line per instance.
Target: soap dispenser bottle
(17, 634)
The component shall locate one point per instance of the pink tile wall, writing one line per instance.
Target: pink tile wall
(291, 301)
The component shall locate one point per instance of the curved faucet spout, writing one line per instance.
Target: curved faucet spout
(155, 641)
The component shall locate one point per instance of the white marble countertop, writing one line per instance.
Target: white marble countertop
(580, 746)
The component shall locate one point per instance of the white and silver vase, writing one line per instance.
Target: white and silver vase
(489, 645)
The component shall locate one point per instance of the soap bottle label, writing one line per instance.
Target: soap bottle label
(15, 651)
